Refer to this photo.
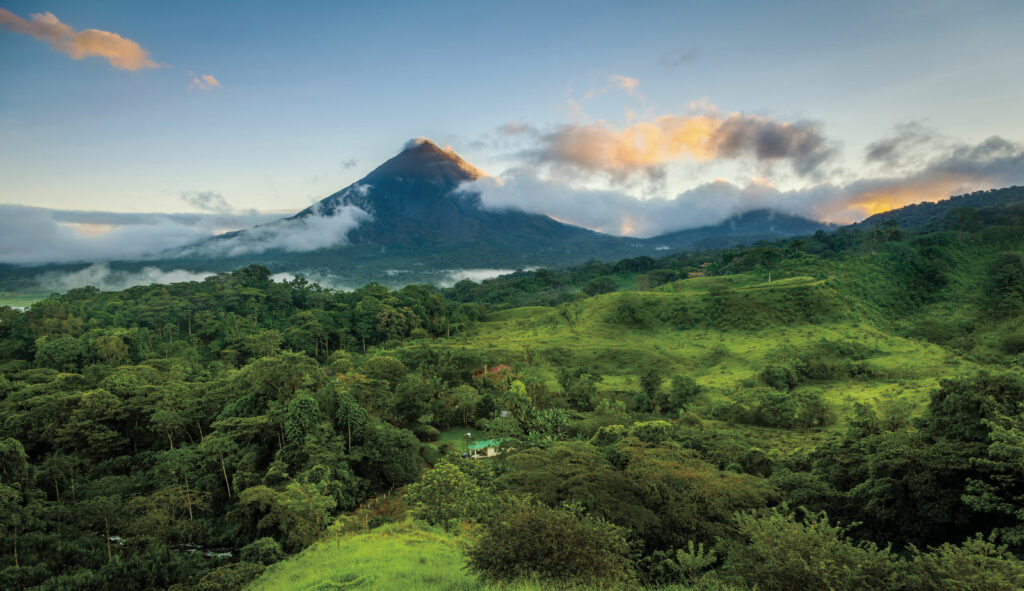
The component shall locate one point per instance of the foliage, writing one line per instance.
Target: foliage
(529, 540)
(446, 492)
(778, 552)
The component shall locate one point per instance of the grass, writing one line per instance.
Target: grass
(404, 556)
(721, 360)
(20, 300)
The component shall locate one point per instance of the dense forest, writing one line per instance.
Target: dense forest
(839, 411)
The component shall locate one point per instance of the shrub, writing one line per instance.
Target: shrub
(652, 432)
(975, 564)
(683, 391)
(600, 285)
(265, 551)
(779, 552)
(780, 377)
(230, 577)
(529, 540)
(426, 432)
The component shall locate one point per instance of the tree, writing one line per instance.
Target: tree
(446, 492)
(466, 398)
(964, 218)
(599, 286)
(1006, 283)
(299, 512)
(1000, 488)
(650, 383)
(350, 417)
(682, 392)
(386, 369)
(301, 417)
(768, 256)
(579, 386)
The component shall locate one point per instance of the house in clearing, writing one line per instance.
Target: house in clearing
(493, 373)
(488, 448)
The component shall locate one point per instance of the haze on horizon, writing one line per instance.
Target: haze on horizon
(625, 119)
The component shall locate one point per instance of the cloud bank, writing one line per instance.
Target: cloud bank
(120, 52)
(994, 162)
(34, 235)
(103, 277)
(295, 234)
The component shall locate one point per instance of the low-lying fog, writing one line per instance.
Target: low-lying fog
(102, 276)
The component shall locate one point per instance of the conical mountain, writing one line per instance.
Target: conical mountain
(415, 199)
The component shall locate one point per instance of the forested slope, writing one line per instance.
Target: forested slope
(701, 421)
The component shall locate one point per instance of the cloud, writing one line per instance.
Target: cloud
(203, 82)
(645, 147)
(625, 83)
(122, 53)
(908, 142)
(295, 234)
(34, 235)
(103, 277)
(994, 162)
(350, 163)
(207, 201)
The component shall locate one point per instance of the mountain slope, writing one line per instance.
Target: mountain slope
(920, 214)
(746, 228)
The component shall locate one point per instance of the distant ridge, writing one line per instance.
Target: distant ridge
(743, 228)
(920, 214)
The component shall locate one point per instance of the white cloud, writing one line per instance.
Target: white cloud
(296, 234)
(103, 277)
(994, 162)
(34, 235)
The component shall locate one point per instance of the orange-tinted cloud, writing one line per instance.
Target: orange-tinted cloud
(203, 82)
(122, 53)
(962, 168)
(647, 145)
(625, 82)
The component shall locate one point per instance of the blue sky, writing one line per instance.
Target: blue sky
(312, 95)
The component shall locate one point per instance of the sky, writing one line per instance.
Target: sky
(630, 118)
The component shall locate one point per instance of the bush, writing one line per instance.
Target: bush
(780, 377)
(976, 564)
(529, 540)
(651, 432)
(600, 285)
(230, 577)
(265, 551)
(426, 432)
(781, 552)
(682, 392)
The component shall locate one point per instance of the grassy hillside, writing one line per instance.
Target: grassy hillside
(395, 557)
(722, 332)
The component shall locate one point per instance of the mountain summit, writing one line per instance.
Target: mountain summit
(420, 173)
(415, 199)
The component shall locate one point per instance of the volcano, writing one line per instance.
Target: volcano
(417, 214)
(415, 200)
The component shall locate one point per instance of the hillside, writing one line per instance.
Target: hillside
(656, 410)
(997, 203)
